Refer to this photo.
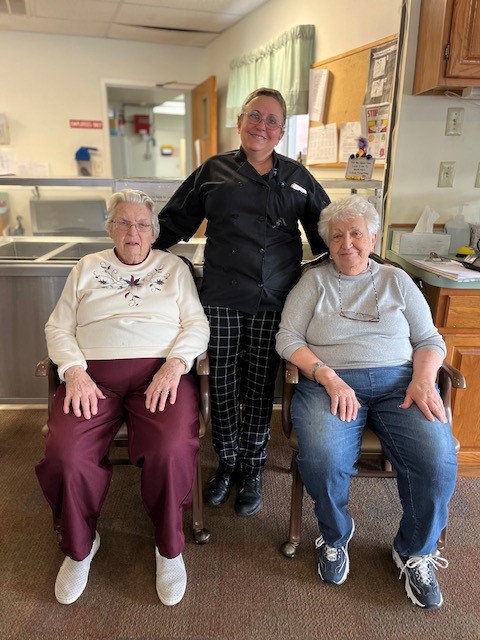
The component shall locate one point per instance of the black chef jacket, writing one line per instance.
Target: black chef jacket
(253, 249)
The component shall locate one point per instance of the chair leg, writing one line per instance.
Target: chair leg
(442, 540)
(200, 534)
(56, 529)
(289, 548)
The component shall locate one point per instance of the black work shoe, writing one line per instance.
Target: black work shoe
(220, 484)
(250, 495)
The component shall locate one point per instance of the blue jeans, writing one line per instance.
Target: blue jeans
(422, 453)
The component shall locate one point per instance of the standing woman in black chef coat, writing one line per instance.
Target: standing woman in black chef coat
(252, 199)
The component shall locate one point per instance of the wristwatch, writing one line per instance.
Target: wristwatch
(316, 366)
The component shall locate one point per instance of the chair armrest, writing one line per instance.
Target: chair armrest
(43, 367)
(48, 369)
(291, 376)
(448, 378)
(203, 371)
(457, 378)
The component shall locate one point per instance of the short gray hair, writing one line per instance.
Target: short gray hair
(346, 209)
(134, 197)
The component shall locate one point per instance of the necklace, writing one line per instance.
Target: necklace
(356, 315)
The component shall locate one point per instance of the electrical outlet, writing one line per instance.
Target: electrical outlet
(477, 179)
(454, 122)
(446, 174)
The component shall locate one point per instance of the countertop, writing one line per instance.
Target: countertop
(427, 276)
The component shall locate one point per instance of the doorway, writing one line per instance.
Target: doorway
(149, 131)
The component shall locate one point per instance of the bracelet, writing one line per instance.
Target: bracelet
(317, 365)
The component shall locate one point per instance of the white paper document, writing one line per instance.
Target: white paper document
(322, 144)
(451, 269)
(317, 93)
(7, 162)
(349, 134)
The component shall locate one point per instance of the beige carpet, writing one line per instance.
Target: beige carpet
(239, 586)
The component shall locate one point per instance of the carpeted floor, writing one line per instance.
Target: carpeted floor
(239, 586)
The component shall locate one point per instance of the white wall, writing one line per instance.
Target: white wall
(46, 80)
(51, 79)
(422, 145)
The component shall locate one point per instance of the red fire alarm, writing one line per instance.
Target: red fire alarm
(141, 123)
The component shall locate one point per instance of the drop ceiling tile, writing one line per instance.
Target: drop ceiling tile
(161, 36)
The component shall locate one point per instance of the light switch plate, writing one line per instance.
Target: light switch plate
(454, 124)
(446, 174)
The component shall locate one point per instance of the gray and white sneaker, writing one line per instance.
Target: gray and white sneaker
(333, 562)
(421, 584)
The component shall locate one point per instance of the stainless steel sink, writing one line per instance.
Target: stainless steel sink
(19, 249)
(79, 250)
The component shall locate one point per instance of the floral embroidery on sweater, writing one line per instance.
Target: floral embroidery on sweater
(111, 278)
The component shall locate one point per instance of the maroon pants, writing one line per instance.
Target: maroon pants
(75, 473)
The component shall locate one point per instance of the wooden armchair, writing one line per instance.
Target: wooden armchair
(372, 462)
(118, 453)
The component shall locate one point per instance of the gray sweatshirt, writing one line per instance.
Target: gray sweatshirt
(311, 318)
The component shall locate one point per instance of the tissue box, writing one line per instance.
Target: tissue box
(406, 243)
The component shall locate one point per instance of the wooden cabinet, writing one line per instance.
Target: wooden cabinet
(456, 313)
(448, 46)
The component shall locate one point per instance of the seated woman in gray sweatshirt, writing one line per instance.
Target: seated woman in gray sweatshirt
(363, 338)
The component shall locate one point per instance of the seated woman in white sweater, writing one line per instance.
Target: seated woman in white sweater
(362, 336)
(124, 334)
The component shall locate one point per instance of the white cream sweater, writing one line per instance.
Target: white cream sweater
(110, 310)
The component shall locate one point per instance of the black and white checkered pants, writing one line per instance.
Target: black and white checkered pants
(243, 369)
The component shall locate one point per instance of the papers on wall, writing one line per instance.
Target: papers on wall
(4, 132)
(375, 123)
(7, 162)
(33, 169)
(322, 144)
(349, 134)
(381, 72)
(317, 93)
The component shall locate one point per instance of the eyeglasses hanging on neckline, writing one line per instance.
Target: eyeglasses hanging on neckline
(357, 315)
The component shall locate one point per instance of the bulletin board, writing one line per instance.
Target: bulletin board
(347, 84)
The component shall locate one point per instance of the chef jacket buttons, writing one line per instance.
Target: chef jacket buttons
(261, 251)
(259, 285)
(261, 218)
(234, 282)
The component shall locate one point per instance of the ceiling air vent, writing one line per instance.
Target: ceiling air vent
(13, 7)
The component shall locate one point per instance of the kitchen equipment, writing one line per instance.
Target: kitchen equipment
(68, 217)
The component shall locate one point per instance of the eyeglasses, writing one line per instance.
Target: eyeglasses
(125, 225)
(357, 315)
(270, 121)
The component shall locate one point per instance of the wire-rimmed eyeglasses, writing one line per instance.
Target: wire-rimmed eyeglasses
(125, 225)
(256, 118)
(357, 315)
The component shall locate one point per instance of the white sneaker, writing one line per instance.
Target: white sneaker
(171, 578)
(73, 576)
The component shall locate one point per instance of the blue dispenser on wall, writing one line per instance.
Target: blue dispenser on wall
(84, 161)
